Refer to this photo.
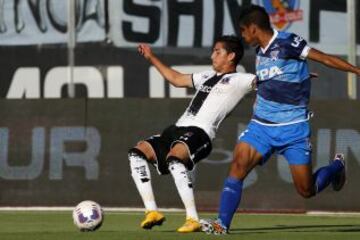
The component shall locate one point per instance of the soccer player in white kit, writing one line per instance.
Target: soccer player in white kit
(180, 146)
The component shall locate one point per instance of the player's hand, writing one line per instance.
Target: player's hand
(358, 71)
(145, 50)
(254, 84)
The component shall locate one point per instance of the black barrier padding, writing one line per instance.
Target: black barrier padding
(83, 154)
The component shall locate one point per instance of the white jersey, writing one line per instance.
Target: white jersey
(216, 96)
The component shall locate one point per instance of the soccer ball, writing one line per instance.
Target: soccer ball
(88, 216)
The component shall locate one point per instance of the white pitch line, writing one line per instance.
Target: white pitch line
(110, 209)
(175, 210)
(338, 214)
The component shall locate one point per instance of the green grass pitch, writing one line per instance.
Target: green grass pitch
(36, 225)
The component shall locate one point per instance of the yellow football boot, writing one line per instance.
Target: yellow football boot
(152, 218)
(190, 225)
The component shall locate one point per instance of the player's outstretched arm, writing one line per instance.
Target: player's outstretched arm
(332, 61)
(174, 77)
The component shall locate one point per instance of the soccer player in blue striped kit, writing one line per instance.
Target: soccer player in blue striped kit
(280, 121)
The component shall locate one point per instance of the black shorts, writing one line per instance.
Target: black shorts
(196, 139)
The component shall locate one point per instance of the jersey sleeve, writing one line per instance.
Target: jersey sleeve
(245, 82)
(296, 47)
(199, 78)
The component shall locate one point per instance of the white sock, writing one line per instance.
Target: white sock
(140, 172)
(185, 189)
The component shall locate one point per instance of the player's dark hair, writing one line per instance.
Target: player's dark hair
(232, 44)
(254, 14)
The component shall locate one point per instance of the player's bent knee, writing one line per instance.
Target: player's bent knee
(179, 150)
(238, 169)
(145, 150)
(142, 145)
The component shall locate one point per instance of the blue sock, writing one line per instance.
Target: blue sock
(230, 200)
(323, 176)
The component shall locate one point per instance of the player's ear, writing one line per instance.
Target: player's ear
(253, 28)
(231, 57)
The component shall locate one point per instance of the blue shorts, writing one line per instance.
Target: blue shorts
(292, 141)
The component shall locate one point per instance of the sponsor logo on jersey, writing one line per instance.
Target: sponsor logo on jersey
(282, 12)
(204, 88)
(267, 73)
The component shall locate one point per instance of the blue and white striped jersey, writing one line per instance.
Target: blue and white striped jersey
(283, 80)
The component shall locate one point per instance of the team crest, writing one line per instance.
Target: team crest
(225, 80)
(274, 55)
(282, 12)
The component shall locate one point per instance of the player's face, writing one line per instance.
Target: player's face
(220, 57)
(248, 33)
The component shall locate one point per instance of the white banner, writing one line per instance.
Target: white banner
(44, 21)
(168, 23)
(196, 23)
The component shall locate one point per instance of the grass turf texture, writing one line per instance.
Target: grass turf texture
(117, 225)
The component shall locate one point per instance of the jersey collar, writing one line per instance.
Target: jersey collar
(219, 74)
(263, 50)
